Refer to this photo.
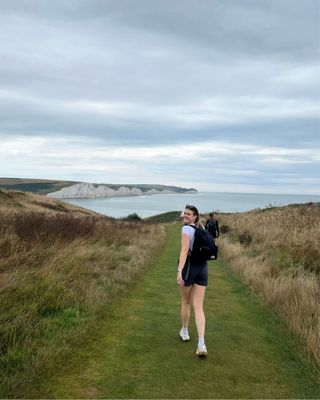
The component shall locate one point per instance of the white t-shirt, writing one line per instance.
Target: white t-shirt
(190, 232)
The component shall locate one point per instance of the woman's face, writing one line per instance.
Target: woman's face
(189, 217)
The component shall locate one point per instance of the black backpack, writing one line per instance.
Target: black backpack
(204, 247)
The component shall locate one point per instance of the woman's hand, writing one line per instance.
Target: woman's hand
(180, 281)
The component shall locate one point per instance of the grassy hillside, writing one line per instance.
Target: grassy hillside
(171, 216)
(276, 251)
(59, 267)
(15, 201)
(41, 186)
(45, 186)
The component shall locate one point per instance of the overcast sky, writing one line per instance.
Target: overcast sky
(220, 95)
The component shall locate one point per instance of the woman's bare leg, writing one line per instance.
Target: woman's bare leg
(186, 296)
(198, 297)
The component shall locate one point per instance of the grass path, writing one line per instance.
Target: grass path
(136, 351)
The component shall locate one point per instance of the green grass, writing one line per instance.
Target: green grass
(170, 216)
(135, 351)
(55, 282)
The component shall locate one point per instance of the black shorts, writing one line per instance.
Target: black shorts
(195, 273)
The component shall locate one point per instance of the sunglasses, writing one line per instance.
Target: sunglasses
(192, 208)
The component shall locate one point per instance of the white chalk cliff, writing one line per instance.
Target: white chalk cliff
(89, 191)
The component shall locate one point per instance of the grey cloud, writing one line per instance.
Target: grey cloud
(179, 72)
(127, 55)
(284, 26)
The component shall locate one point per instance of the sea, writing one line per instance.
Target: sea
(146, 206)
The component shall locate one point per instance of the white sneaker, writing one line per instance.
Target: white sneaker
(184, 335)
(202, 351)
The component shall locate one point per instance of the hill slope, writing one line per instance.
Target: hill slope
(64, 332)
(60, 266)
(17, 201)
(276, 251)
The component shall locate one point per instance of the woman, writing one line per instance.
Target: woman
(192, 278)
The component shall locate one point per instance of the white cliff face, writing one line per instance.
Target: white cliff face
(89, 191)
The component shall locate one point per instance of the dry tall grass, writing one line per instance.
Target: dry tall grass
(277, 251)
(58, 271)
(15, 201)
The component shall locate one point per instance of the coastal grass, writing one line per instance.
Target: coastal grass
(136, 352)
(83, 314)
(58, 271)
(276, 251)
(13, 201)
(288, 235)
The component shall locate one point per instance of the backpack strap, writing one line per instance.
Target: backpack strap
(195, 228)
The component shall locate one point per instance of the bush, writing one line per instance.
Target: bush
(245, 238)
(225, 229)
(132, 217)
(42, 226)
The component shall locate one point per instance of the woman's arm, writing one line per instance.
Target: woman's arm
(185, 242)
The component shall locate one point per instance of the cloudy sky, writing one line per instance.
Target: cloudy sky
(221, 95)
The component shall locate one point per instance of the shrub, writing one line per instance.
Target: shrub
(225, 229)
(41, 226)
(245, 238)
(132, 217)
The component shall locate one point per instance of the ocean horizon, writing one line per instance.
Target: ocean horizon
(149, 205)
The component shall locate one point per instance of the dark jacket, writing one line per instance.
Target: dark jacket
(212, 225)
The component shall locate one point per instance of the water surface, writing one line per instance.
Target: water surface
(145, 206)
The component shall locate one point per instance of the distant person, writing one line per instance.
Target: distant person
(212, 225)
(193, 279)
